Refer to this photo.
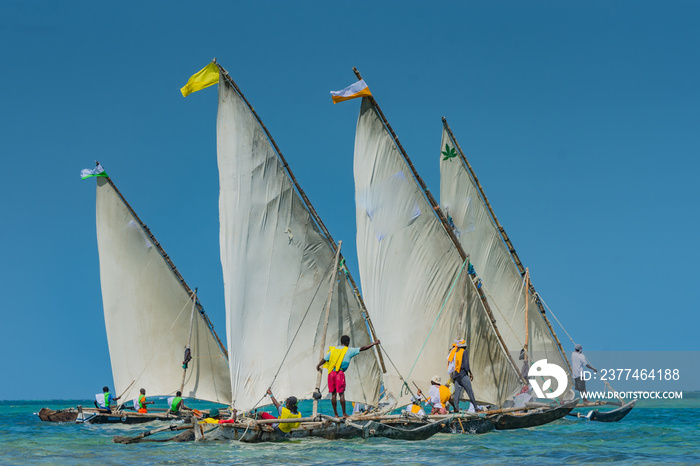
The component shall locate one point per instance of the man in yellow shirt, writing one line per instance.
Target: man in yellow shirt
(288, 411)
(215, 418)
(337, 361)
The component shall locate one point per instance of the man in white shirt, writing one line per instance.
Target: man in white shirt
(578, 362)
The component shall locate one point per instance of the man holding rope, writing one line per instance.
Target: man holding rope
(337, 361)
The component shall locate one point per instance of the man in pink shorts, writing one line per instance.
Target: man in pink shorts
(337, 361)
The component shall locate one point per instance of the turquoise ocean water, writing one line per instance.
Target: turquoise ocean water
(654, 432)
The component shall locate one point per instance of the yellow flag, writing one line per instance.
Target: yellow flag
(207, 76)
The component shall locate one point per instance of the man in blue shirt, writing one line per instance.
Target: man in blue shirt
(102, 400)
(337, 361)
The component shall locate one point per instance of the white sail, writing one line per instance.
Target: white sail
(147, 313)
(414, 283)
(480, 238)
(276, 266)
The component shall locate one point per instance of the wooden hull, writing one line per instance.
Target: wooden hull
(469, 426)
(92, 416)
(60, 415)
(392, 429)
(123, 418)
(613, 415)
(404, 430)
(532, 418)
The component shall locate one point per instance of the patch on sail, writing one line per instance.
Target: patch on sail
(468, 224)
(386, 215)
(137, 228)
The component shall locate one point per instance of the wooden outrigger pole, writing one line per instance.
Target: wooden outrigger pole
(443, 219)
(307, 202)
(168, 261)
(504, 237)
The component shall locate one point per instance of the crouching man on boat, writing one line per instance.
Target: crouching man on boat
(438, 396)
(337, 361)
(140, 402)
(459, 370)
(215, 417)
(415, 407)
(288, 411)
(175, 403)
(102, 400)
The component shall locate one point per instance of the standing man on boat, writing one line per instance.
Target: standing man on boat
(578, 362)
(102, 400)
(337, 361)
(459, 370)
(140, 402)
(175, 403)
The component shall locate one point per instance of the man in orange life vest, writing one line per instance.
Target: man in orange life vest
(337, 361)
(459, 370)
(140, 402)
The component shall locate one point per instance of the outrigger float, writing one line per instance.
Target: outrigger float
(614, 415)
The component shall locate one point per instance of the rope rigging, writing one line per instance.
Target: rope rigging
(326, 271)
(454, 282)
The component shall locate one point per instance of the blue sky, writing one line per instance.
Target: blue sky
(580, 118)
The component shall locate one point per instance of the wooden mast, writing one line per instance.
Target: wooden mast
(443, 220)
(505, 237)
(189, 340)
(325, 323)
(527, 301)
(307, 202)
(168, 261)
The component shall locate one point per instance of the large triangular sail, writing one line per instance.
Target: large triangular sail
(148, 312)
(276, 262)
(414, 281)
(480, 236)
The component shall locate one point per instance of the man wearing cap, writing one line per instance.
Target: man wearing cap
(459, 370)
(288, 411)
(215, 418)
(578, 362)
(438, 396)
